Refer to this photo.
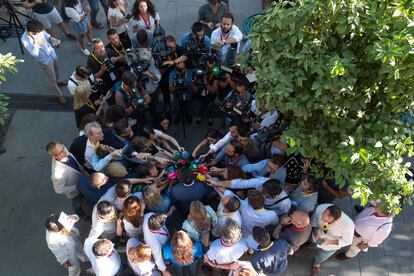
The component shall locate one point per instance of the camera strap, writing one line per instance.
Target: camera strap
(95, 58)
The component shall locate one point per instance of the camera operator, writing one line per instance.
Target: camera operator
(182, 87)
(117, 45)
(134, 102)
(150, 78)
(102, 62)
(222, 38)
(175, 56)
(208, 92)
(195, 44)
(82, 73)
(265, 118)
(238, 101)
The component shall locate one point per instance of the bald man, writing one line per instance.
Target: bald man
(295, 229)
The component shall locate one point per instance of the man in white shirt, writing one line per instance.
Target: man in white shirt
(227, 34)
(104, 258)
(332, 229)
(156, 235)
(103, 220)
(276, 198)
(225, 251)
(81, 74)
(372, 227)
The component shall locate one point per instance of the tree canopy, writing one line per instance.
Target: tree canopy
(342, 73)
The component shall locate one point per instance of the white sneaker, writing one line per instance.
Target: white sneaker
(85, 52)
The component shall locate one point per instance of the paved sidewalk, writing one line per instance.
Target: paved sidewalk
(27, 195)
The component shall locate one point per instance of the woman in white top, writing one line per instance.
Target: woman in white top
(140, 258)
(80, 22)
(118, 20)
(133, 213)
(144, 16)
(200, 221)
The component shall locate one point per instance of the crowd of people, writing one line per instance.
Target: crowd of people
(237, 202)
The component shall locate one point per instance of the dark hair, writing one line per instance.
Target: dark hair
(235, 172)
(129, 78)
(114, 113)
(52, 224)
(151, 8)
(261, 235)
(272, 187)
(334, 212)
(102, 247)
(156, 221)
(313, 182)
(70, 3)
(244, 130)
(238, 148)
(211, 59)
(170, 38)
(243, 82)
(111, 31)
(147, 132)
(233, 204)
(34, 26)
(228, 15)
(276, 159)
(82, 71)
(142, 38)
(120, 126)
(88, 118)
(122, 188)
(104, 208)
(197, 27)
(256, 199)
(214, 133)
(50, 146)
(163, 116)
(143, 170)
(186, 176)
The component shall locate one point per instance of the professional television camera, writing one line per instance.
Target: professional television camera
(234, 108)
(137, 65)
(160, 51)
(109, 64)
(137, 102)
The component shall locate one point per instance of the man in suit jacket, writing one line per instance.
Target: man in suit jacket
(83, 147)
(66, 171)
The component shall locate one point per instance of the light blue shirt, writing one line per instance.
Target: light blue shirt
(186, 38)
(259, 169)
(45, 54)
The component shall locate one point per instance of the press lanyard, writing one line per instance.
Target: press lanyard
(147, 23)
(225, 37)
(160, 233)
(116, 50)
(266, 248)
(90, 104)
(97, 60)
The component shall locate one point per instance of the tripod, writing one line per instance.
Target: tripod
(181, 92)
(12, 22)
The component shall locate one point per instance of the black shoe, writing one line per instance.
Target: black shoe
(210, 122)
(359, 208)
(342, 257)
(198, 121)
(189, 120)
(177, 120)
(71, 36)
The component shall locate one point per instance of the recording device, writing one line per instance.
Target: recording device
(230, 59)
(195, 47)
(180, 82)
(233, 107)
(97, 86)
(266, 135)
(128, 16)
(109, 64)
(160, 50)
(198, 76)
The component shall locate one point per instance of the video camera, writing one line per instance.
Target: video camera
(137, 102)
(195, 47)
(233, 107)
(160, 50)
(109, 64)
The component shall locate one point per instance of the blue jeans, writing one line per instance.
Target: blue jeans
(321, 254)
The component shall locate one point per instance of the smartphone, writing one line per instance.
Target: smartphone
(124, 148)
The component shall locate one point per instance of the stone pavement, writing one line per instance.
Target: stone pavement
(27, 195)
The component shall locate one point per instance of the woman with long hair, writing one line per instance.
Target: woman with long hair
(118, 20)
(182, 252)
(199, 222)
(144, 16)
(132, 217)
(80, 22)
(81, 103)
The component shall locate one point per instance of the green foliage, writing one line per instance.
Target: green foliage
(343, 72)
(7, 64)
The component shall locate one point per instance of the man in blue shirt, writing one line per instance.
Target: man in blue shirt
(93, 187)
(195, 43)
(271, 168)
(182, 88)
(39, 45)
(271, 259)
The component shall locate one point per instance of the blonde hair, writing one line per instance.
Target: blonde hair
(82, 93)
(139, 254)
(198, 215)
(152, 197)
(182, 247)
(116, 169)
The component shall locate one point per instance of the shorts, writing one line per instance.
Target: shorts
(49, 18)
(94, 4)
(81, 27)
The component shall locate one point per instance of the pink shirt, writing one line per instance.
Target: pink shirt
(372, 228)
